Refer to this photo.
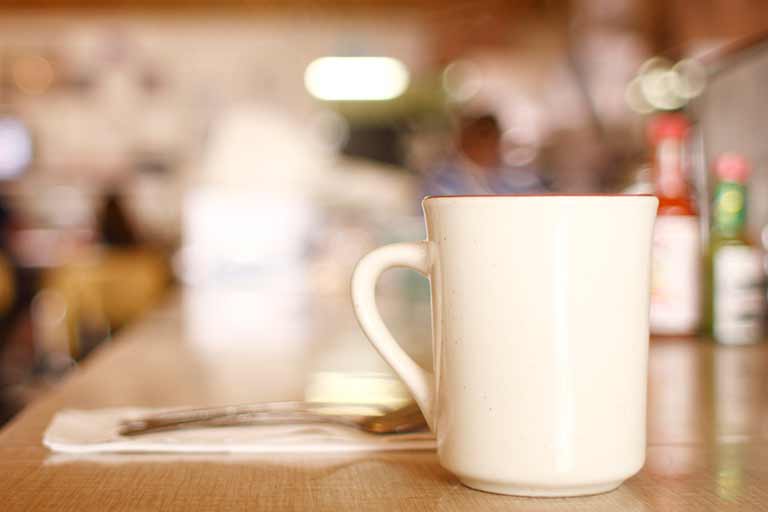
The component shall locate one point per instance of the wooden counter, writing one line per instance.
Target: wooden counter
(707, 432)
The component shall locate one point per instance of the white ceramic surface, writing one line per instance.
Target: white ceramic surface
(540, 337)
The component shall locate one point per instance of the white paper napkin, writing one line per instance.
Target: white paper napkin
(96, 431)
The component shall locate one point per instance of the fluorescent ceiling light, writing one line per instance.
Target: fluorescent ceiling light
(356, 78)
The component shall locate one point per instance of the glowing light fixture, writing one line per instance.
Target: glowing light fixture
(356, 78)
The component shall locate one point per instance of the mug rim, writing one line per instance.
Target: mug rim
(507, 196)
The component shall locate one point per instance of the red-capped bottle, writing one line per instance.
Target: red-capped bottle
(676, 271)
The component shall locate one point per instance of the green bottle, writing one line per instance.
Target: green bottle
(735, 304)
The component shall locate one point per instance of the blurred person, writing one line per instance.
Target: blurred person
(115, 227)
(476, 165)
(112, 286)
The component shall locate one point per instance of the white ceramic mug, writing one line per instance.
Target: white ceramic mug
(540, 337)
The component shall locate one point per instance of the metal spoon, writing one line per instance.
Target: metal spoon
(404, 419)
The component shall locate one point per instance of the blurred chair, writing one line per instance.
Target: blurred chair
(106, 291)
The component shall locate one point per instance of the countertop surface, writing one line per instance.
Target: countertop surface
(707, 421)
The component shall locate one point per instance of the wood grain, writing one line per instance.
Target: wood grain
(707, 431)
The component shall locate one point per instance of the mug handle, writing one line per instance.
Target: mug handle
(409, 255)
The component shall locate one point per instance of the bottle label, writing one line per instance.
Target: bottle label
(738, 301)
(730, 207)
(675, 277)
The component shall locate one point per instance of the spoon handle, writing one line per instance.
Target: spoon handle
(272, 412)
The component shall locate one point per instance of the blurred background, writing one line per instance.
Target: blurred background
(242, 155)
